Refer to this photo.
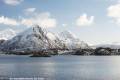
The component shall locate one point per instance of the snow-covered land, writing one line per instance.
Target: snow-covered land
(71, 41)
(7, 34)
(36, 38)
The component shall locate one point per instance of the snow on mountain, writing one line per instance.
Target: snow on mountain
(51, 36)
(71, 41)
(67, 35)
(7, 34)
(55, 41)
(34, 38)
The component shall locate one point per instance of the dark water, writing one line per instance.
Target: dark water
(62, 67)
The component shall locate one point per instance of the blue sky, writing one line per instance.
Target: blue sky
(93, 21)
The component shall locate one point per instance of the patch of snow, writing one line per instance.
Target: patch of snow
(7, 34)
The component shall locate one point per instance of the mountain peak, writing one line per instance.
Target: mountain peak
(67, 35)
(34, 38)
(7, 34)
(37, 38)
(71, 41)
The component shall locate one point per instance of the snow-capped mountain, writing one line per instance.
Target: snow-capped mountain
(7, 34)
(67, 35)
(71, 41)
(34, 38)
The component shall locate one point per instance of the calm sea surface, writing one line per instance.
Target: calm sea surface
(62, 67)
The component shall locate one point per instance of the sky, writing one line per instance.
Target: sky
(92, 21)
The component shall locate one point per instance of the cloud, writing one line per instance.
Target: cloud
(29, 10)
(12, 2)
(8, 21)
(42, 19)
(84, 20)
(113, 12)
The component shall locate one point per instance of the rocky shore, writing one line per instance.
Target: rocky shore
(83, 52)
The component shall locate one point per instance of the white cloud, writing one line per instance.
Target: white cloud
(12, 2)
(8, 21)
(29, 10)
(84, 20)
(114, 12)
(42, 19)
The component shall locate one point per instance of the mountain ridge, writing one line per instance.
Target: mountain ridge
(37, 38)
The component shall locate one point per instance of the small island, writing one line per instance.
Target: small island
(40, 54)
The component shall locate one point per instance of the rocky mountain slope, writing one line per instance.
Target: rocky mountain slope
(71, 41)
(36, 38)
